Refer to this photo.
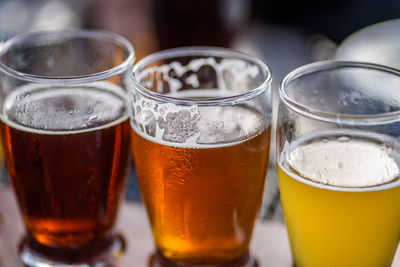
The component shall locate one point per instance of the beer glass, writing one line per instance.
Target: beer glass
(338, 163)
(201, 121)
(65, 132)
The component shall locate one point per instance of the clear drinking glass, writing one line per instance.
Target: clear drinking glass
(201, 121)
(65, 133)
(338, 163)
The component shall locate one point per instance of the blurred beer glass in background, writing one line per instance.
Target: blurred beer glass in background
(65, 132)
(201, 121)
(338, 163)
(378, 43)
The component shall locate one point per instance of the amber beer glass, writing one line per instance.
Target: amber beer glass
(65, 132)
(338, 163)
(200, 135)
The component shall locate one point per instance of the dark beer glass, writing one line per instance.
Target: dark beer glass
(201, 122)
(65, 132)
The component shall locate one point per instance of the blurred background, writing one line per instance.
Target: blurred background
(285, 33)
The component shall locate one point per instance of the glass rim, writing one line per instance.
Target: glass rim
(74, 33)
(338, 118)
(203, 51)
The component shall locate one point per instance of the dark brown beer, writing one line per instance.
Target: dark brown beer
(67, 151)
(202, 199)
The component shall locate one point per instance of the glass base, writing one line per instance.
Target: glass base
(157, 260)
(100, 254)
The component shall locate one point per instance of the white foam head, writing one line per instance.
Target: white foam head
(64, 108)
(344, 162)
(178, 122)
(197, 126)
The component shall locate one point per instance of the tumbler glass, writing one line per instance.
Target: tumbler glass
(338, 163)
(201, 122)
(65, 133)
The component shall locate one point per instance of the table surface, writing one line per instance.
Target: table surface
(269, 246)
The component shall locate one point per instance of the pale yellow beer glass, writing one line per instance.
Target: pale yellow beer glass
(338, 163)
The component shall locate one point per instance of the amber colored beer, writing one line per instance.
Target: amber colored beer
(202, 200)
(67, 153)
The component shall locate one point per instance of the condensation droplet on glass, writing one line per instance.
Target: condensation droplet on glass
(50, 62)
(344, 139)
(289, 156)
(317, 175)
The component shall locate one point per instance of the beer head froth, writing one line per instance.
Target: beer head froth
(344, 162)
(232, 76)
(63, 109)
(227, 124)
(196, 125)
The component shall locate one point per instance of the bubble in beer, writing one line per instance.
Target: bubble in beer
(344, 139)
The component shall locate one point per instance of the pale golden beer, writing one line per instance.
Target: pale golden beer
(339, 163)
(354, 222)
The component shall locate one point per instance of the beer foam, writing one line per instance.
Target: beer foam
(228, 123)
(234, 76)
(65, 109)
(344, 162)
(199, 127)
